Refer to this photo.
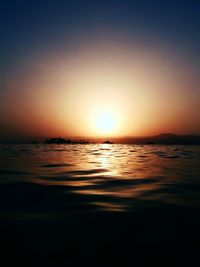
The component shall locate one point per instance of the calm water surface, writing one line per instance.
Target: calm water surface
(114, 178)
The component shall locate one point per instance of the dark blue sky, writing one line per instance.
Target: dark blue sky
(28, 26)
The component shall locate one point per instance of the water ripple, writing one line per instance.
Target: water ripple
(110, 177)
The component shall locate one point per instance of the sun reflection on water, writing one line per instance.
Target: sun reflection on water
(111, 177)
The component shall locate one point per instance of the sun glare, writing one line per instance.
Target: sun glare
(106, 123)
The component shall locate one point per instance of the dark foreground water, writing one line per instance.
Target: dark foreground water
(66, 205)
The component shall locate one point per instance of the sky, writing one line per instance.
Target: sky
(99, 68)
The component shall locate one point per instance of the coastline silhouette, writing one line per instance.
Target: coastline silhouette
(161, 139)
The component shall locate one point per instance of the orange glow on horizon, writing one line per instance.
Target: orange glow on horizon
(103, 90)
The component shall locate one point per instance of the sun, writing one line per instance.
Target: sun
(106, 123)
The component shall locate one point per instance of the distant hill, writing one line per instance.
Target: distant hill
(165, 139)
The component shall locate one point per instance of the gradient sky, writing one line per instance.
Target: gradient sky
(65, 65)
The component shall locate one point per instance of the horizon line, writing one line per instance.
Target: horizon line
(100, 138)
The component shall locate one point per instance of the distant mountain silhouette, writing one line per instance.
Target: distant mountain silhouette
(165, 139)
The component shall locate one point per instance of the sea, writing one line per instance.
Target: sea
(62, 203)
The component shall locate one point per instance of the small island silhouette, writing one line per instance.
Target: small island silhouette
(60, 140)
(107, 142)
